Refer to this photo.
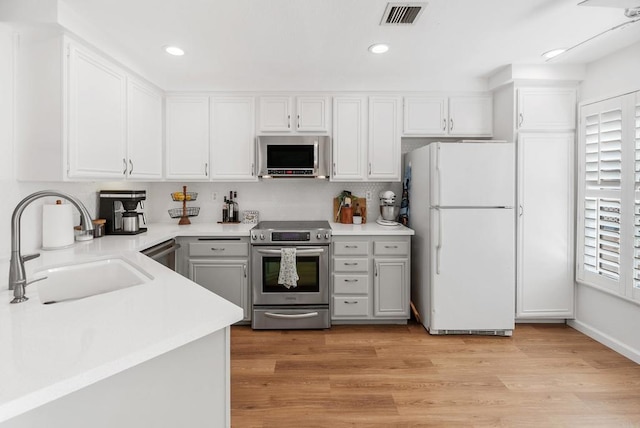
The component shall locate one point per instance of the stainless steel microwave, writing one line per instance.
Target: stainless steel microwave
(293, 156)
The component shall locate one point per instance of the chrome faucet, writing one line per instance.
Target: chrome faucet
(17, 276)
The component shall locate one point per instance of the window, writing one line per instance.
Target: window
(608, 244)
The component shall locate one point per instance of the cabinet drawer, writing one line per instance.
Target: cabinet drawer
(351, 265)
(351, 306)
(350, 284)
(356, 248)
(219, 249)
(390, 248)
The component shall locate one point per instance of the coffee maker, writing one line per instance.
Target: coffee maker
(119, 209)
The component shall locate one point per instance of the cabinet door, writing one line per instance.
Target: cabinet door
(425, 116)
(471, 115)
(97, 116)
(391, 288)
(233, 139)
(226, 278)
(546, 109)
(545, 226)
(384, 139)
(275, 114)
(144, 131)
(311, 114)
(349, 139)
(187, 138)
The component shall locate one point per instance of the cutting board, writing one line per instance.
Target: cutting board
(363, 209)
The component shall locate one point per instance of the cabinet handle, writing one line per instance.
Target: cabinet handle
(217, 249)
(131, 165)
(244, 268)
(289, 121)
(350, 302)
(206, 169)
(369, 168)
(451, 126)
(298, 121)
(350, 280)
(444, 124)
(334, 169)
(350, 264)
(350, 246)
(390, 246)
(253, 169)
(521, 211)
(375, 269)
(521, 120)
(124, 166)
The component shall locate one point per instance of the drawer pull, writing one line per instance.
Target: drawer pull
(350, 246)
(350, 280)
(217, 249)
(390, 246)
(350, 302)
(350, 264)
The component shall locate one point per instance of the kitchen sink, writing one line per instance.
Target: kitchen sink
(81, 280)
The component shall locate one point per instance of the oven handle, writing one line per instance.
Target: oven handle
(305, 252)
(291, 316)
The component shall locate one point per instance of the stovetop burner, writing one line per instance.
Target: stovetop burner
(291, 232)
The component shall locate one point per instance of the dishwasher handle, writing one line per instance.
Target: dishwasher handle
(159, 251)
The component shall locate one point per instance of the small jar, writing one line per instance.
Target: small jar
(98, 227)
(83, 235)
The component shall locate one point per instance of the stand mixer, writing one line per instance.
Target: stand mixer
(388, 209)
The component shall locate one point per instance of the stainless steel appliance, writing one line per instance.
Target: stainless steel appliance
(164, 253)
(305, 306)
(119, 209)
(293, 156)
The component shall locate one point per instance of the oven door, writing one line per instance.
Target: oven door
(312, 264)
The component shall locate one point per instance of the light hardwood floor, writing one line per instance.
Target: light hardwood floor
(400, 376)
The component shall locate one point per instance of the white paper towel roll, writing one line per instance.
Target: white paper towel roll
(57, 226)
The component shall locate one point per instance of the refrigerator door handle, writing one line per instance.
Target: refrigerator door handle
(439, 245)
(438, 175)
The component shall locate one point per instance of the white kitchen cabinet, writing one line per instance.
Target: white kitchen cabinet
(233, 139)
(370, 279)
(453, 116)
(187, 137)
(277, 114)
(545, 225)
(97, 132)
(546, 109)
(384, 139)
(144, 131)
(349, 139)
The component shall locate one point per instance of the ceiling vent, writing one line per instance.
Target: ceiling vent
(402, 13)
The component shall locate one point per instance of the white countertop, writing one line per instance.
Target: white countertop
(49, 351)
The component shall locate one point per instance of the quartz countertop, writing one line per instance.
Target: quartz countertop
(371, 228)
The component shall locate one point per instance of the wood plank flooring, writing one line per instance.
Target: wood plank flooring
(400, 376)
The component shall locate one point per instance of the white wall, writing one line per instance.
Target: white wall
(605, 317)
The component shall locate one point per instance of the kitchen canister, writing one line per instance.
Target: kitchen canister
(57, 225)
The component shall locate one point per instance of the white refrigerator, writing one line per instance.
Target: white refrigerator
(461, 199)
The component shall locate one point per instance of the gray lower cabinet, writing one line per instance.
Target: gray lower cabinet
(221, 265)
(370, 279)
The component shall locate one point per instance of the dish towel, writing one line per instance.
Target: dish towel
(288, 275)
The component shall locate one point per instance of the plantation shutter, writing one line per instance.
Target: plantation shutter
(603, 149)
(636, 219)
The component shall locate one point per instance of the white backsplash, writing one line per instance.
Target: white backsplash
(277, 199)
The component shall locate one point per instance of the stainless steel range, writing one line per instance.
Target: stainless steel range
(305, 305)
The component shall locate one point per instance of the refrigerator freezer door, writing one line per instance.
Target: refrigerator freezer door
(472, 269)
(473, 174)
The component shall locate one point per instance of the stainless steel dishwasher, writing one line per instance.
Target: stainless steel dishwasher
(164, 253)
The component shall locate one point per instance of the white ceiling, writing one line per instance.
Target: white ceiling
(322, 44)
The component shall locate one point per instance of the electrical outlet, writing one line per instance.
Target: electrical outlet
(214, 196)
(367, 195)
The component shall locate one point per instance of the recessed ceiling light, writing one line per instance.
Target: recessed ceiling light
(554, 53)
(378, 48)
(174, 50)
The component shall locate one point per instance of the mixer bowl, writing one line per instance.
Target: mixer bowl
(389, 212)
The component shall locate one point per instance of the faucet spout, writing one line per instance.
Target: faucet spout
(17, 275)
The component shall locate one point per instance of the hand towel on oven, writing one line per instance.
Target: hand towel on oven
(288, 275)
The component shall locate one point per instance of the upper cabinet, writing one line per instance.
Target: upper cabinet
(233, 139)
(384, 139)
(187, 137)
(546, 109)
(95, 120)
(454, 116)
(283, 114)
(144, 131)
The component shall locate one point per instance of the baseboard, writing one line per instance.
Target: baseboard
(540, 321)
(605, 339)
